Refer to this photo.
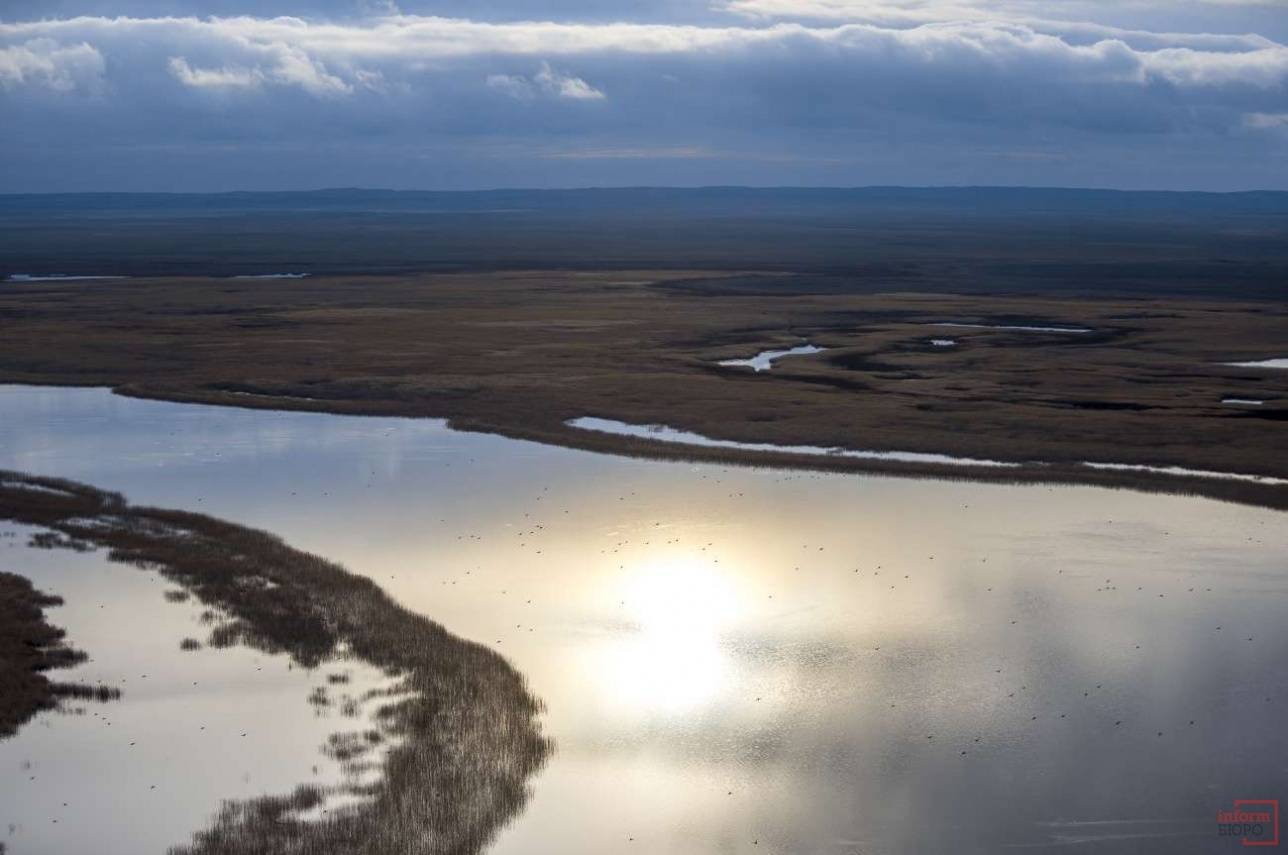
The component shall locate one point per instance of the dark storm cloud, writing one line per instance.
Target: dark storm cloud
(402, 99)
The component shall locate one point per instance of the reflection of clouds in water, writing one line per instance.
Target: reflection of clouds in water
(659, 601)
(140, 432)
(664, 433)
(845, 718)
(241, 716)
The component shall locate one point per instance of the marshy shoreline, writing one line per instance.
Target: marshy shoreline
(563, 435)
(522, 353)
(29, 647)
(465, 730)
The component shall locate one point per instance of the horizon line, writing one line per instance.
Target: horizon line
(647, 187)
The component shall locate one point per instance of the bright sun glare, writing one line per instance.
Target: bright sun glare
(672, 659)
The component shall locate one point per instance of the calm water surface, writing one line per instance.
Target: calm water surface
(738, 660)
(193, 728)
(765, 360)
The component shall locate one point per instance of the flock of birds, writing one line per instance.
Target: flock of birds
(339, 777)
(556, 534)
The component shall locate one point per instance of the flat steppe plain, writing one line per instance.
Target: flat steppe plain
(521, 353)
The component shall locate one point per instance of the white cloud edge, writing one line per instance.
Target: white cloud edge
(45, 63)
(214, 78)
(909, 11)
(546, 81)
(328, 59)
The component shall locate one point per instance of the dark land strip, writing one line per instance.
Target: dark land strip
(522, 353)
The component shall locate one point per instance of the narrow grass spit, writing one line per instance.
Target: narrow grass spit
(463, 728)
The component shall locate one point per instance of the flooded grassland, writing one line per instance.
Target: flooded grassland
(761, 360)
(461, 726)
(729, 659)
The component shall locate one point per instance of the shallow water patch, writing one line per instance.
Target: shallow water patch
(54, 277)
(1260, 363)
(272, 396)
(1014, 327)
(120, 778)
(466, 722)
(662, 433)
(1182, 471)
(764, 360)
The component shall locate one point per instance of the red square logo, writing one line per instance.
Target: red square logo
(1254, 821)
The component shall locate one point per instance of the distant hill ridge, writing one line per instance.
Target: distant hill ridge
(741, 201)
(849, 240)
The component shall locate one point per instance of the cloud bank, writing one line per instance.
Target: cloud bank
(47, 64)
(827, 86)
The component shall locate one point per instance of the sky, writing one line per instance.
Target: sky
(213, 95)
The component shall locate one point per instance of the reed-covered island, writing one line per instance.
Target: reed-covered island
(463, 727)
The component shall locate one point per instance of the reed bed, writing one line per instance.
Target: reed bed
(462, 728)
(29, 646)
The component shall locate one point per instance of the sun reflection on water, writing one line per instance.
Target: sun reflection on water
(672, 658)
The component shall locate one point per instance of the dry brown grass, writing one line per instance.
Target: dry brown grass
(520, 353)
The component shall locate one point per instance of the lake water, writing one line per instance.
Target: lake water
(734, 660)
(1262, 363)
(1014, 327)
(765, 360)
(662, 433)
(54, 277)
(192, 728)
(272, 276)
